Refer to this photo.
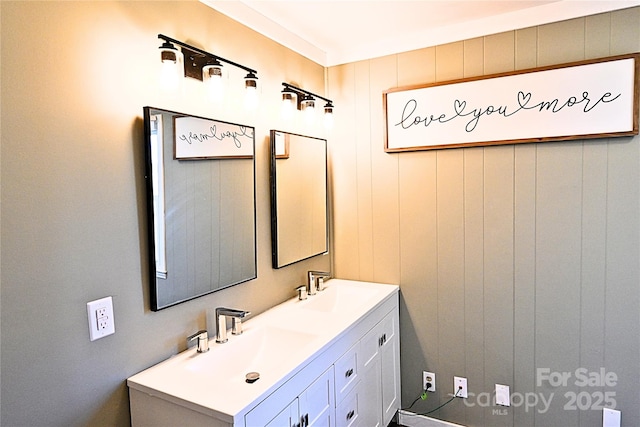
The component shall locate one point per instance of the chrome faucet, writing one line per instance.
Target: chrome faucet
(203, 340)
(316, 281)
(221, 322)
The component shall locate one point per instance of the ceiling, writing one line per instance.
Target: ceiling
(332, 32)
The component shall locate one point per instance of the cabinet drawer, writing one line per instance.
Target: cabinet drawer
(348, 411)
(346, 372)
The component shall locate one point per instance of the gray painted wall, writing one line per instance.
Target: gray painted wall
(510, 258)
(75, 77)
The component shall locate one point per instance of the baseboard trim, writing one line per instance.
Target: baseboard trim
(410, 419)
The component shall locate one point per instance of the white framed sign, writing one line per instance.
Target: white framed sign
(580, 100)
(200, 138)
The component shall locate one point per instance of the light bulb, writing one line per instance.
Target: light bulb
(308, 106)
(328, 116)
(212, 76)
(289, 104)
(170, 67)
(251, 91)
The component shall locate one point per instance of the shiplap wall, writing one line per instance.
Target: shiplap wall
(509, 258)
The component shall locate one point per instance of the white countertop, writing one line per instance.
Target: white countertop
(276, 343)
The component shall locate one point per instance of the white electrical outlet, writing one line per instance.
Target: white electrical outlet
(460, 387)
(100, 316)
(428, 378)
(502, 395)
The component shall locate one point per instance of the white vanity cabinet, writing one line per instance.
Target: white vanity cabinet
(346, 375)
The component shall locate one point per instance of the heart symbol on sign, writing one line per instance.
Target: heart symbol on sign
(459, 106)
(523, 99)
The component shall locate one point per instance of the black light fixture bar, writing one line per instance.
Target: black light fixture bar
(299, 91)
(196, 59)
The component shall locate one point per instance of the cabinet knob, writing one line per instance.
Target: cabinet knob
(350, 414)
(348, 373)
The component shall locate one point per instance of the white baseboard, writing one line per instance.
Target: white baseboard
(409, 419)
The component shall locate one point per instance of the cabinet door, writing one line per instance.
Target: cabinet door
(370, 347)
(370, 395)
(287, 418)
(390, 367)
(380, 355)
(316, 402)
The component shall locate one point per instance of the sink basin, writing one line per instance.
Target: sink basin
(257, 350)
(338, 298)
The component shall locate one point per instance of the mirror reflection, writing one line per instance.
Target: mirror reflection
(200, 176)
(299, 225)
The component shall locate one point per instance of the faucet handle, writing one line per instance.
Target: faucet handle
(236, 322)
(320, 283)
(236, 325)
(302, 292)
(203, 340)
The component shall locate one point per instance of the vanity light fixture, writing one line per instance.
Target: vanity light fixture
(305, 101)
(203, 66)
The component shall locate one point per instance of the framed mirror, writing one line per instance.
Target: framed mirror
(200, 179)
(299, 205)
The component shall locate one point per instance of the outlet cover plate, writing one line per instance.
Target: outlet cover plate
(100, 317)
(428, 377)
(460, 387)
(610, 418)
(502, 395)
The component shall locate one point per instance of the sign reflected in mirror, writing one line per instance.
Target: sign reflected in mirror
(200, 204)
(299, 208)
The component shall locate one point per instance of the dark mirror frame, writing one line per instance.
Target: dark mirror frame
(156, 303)
(274, 200)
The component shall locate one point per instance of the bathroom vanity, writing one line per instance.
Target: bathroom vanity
(330, 360)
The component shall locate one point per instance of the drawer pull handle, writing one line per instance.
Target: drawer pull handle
(382, 340)
(304, 421)
(348, 373)
(350, 414)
